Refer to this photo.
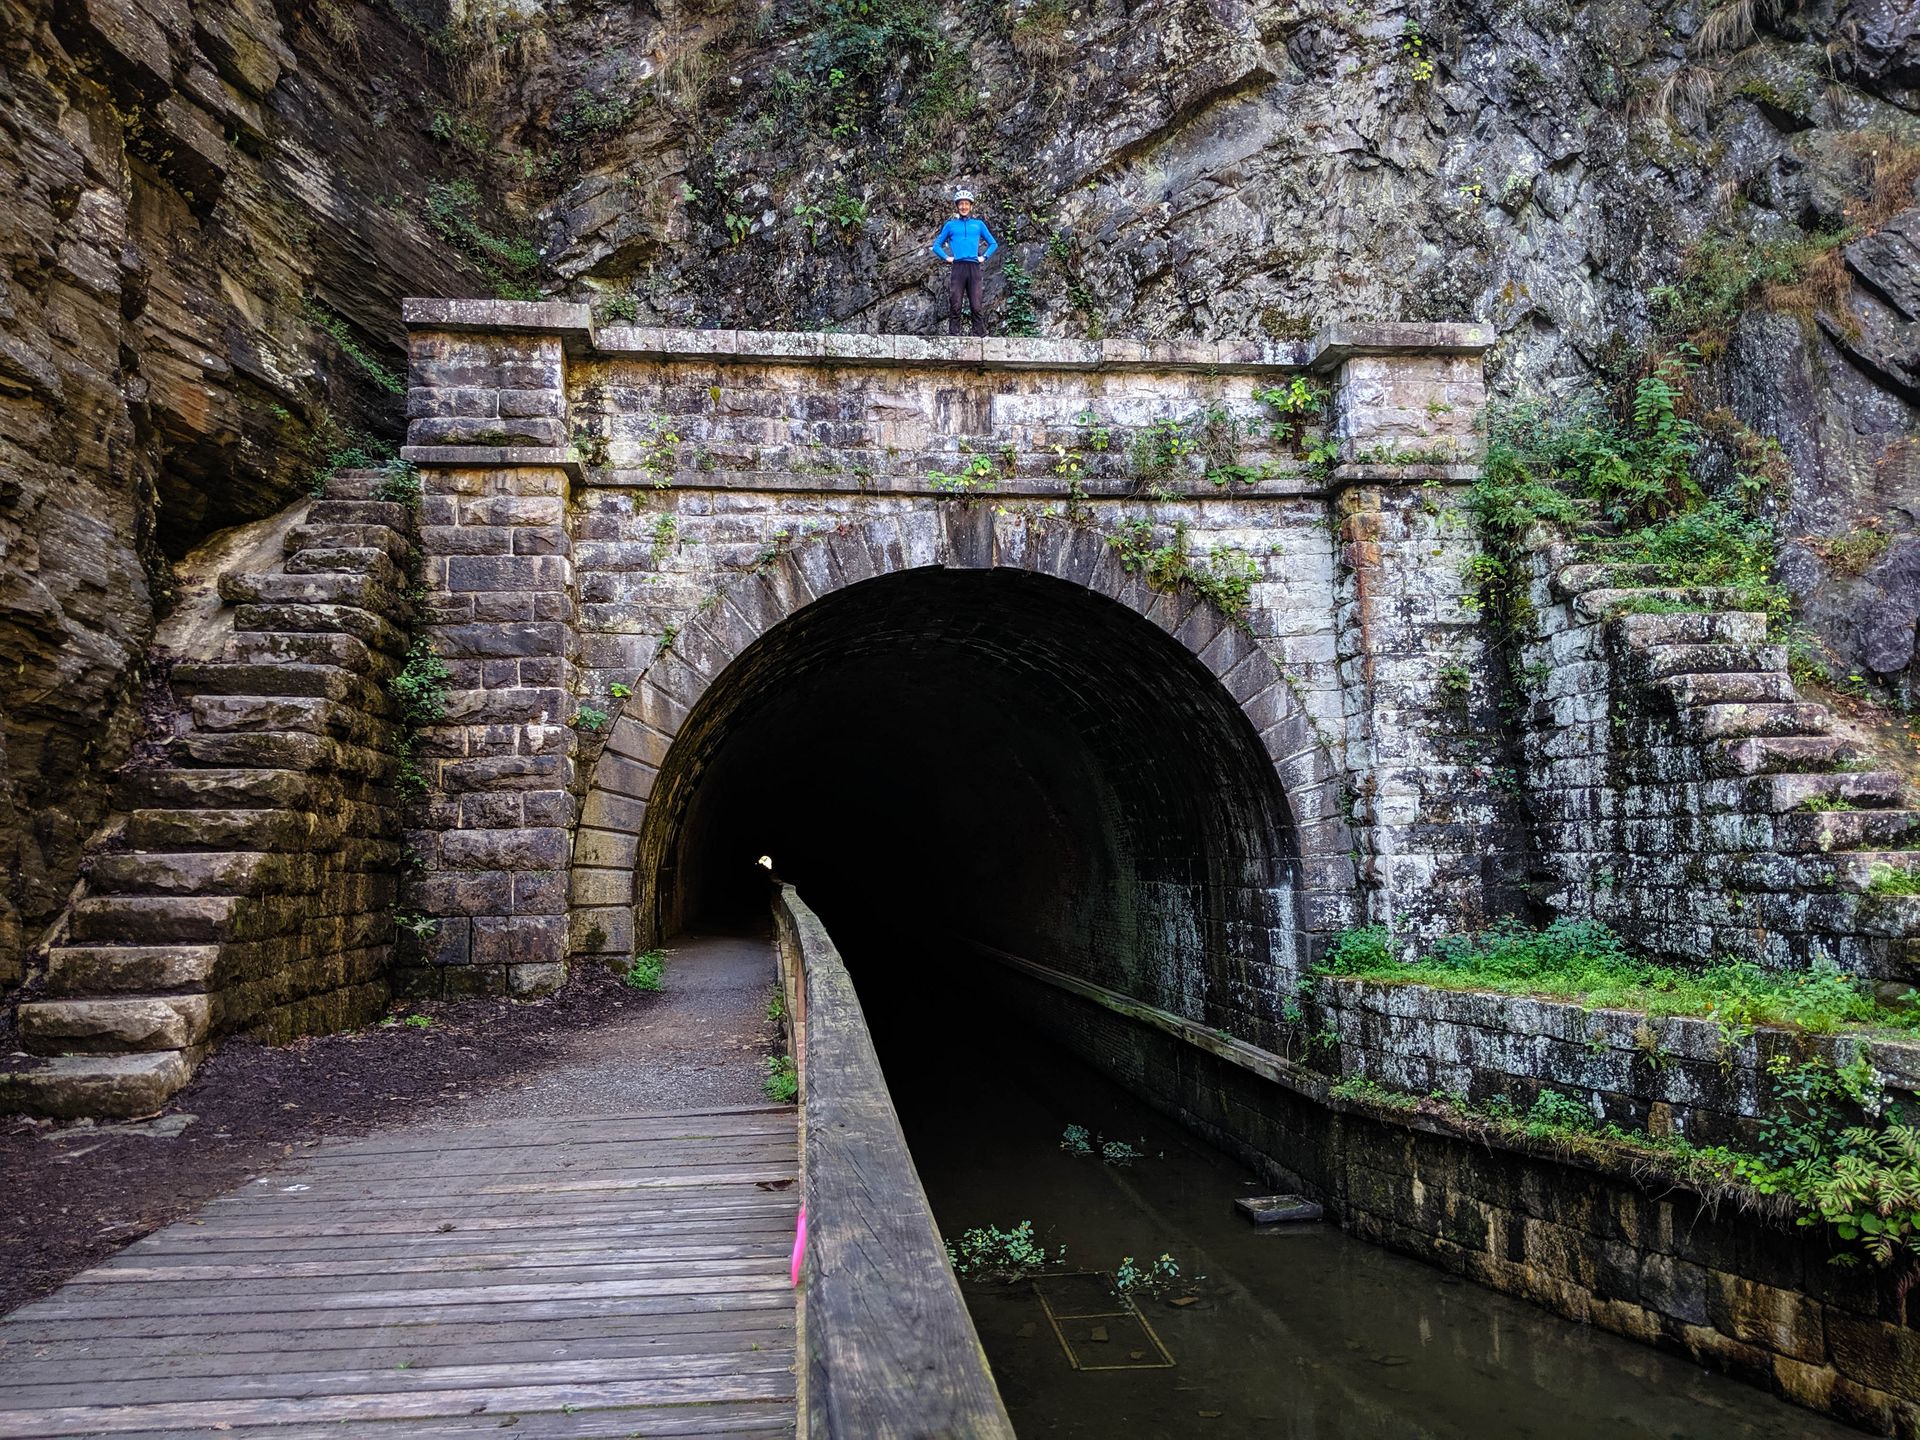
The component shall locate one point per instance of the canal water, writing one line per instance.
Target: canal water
(1296, 1331)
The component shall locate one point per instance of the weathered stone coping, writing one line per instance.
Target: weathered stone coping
(1421, 1009)
(574, 324)
(887, 1344)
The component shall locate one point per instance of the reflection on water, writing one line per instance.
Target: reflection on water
(1298, 1332)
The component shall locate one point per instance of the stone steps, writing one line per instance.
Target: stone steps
(1739, 720)
(1720, 627)
(215, 789)
(203, 872)
(91, 969)
(278, 647)
(1730, 687)
(1738, 775)
(186, 830)
(1659, 661)
(1764, 755)
(104, 1024)
(126, 1085)
(153, 919)
(287, 678)
(257, 843)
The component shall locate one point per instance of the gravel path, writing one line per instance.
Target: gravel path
(701, 1045)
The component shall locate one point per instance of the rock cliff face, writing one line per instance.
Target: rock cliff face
(215, 205)
(209, 210)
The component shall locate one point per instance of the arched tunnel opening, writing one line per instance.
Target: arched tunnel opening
(990, 756)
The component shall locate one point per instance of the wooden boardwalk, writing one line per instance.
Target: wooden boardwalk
(600, 1277)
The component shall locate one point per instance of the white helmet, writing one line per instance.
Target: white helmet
(962, 194)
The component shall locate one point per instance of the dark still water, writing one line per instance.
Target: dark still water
(1297, 1332)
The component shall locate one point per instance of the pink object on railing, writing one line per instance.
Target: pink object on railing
(799, 1243)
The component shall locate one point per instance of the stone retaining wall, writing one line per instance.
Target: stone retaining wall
(1676, 1074)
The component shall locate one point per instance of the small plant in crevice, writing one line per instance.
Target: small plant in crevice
(662, 538)
(647, 970)
(1021, 318)
(977, 474)
(989, 1252)
(590, 718)
(782, 1083)
(1892, 880)
(336, 447)
(776, 1006)
(418, 693)
(1846, 1156)
(399, 483)
(420, 927)
(659, 453)
(1225, 577)
(509, 262)
(337, 329)
(1413, 49)
(1076, 1140)
(624, 309)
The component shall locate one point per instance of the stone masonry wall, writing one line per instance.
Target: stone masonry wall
(592, 491)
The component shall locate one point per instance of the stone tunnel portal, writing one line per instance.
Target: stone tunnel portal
(998, 755)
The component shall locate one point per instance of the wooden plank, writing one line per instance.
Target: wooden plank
(604, 1276)
(430, 1192)
(738, 1418)
(744, 1204)
(31, 1424)
(191, 1324)
(590, 1143)
(482, 1160)
(302, 1350)
(768, 1119)
(135, 1303)
(271, 1384)
(464, 1254)
(468, 1261)
(206, 1246)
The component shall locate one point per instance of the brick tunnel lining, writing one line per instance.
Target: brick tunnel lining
(999, 755)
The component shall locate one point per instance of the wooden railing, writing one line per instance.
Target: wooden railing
(888, 1349)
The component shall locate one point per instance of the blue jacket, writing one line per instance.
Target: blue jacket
(963, 239)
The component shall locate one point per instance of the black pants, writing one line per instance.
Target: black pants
(963, 288)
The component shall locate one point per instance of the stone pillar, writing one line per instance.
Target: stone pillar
(1432, 791)
(487, 426)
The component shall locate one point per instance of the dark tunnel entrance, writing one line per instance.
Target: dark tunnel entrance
(999, 756)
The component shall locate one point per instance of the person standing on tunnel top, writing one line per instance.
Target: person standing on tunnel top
(966, 244)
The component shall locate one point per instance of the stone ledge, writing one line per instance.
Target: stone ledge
(996, 352)
(1341, 342)
(1354, 474)
(545, 317)
(463, 457)
(574, 324)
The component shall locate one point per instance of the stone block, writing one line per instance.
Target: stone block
(518, 940)
(515, 572)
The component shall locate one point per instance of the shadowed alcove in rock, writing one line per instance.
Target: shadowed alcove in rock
(998, 756)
